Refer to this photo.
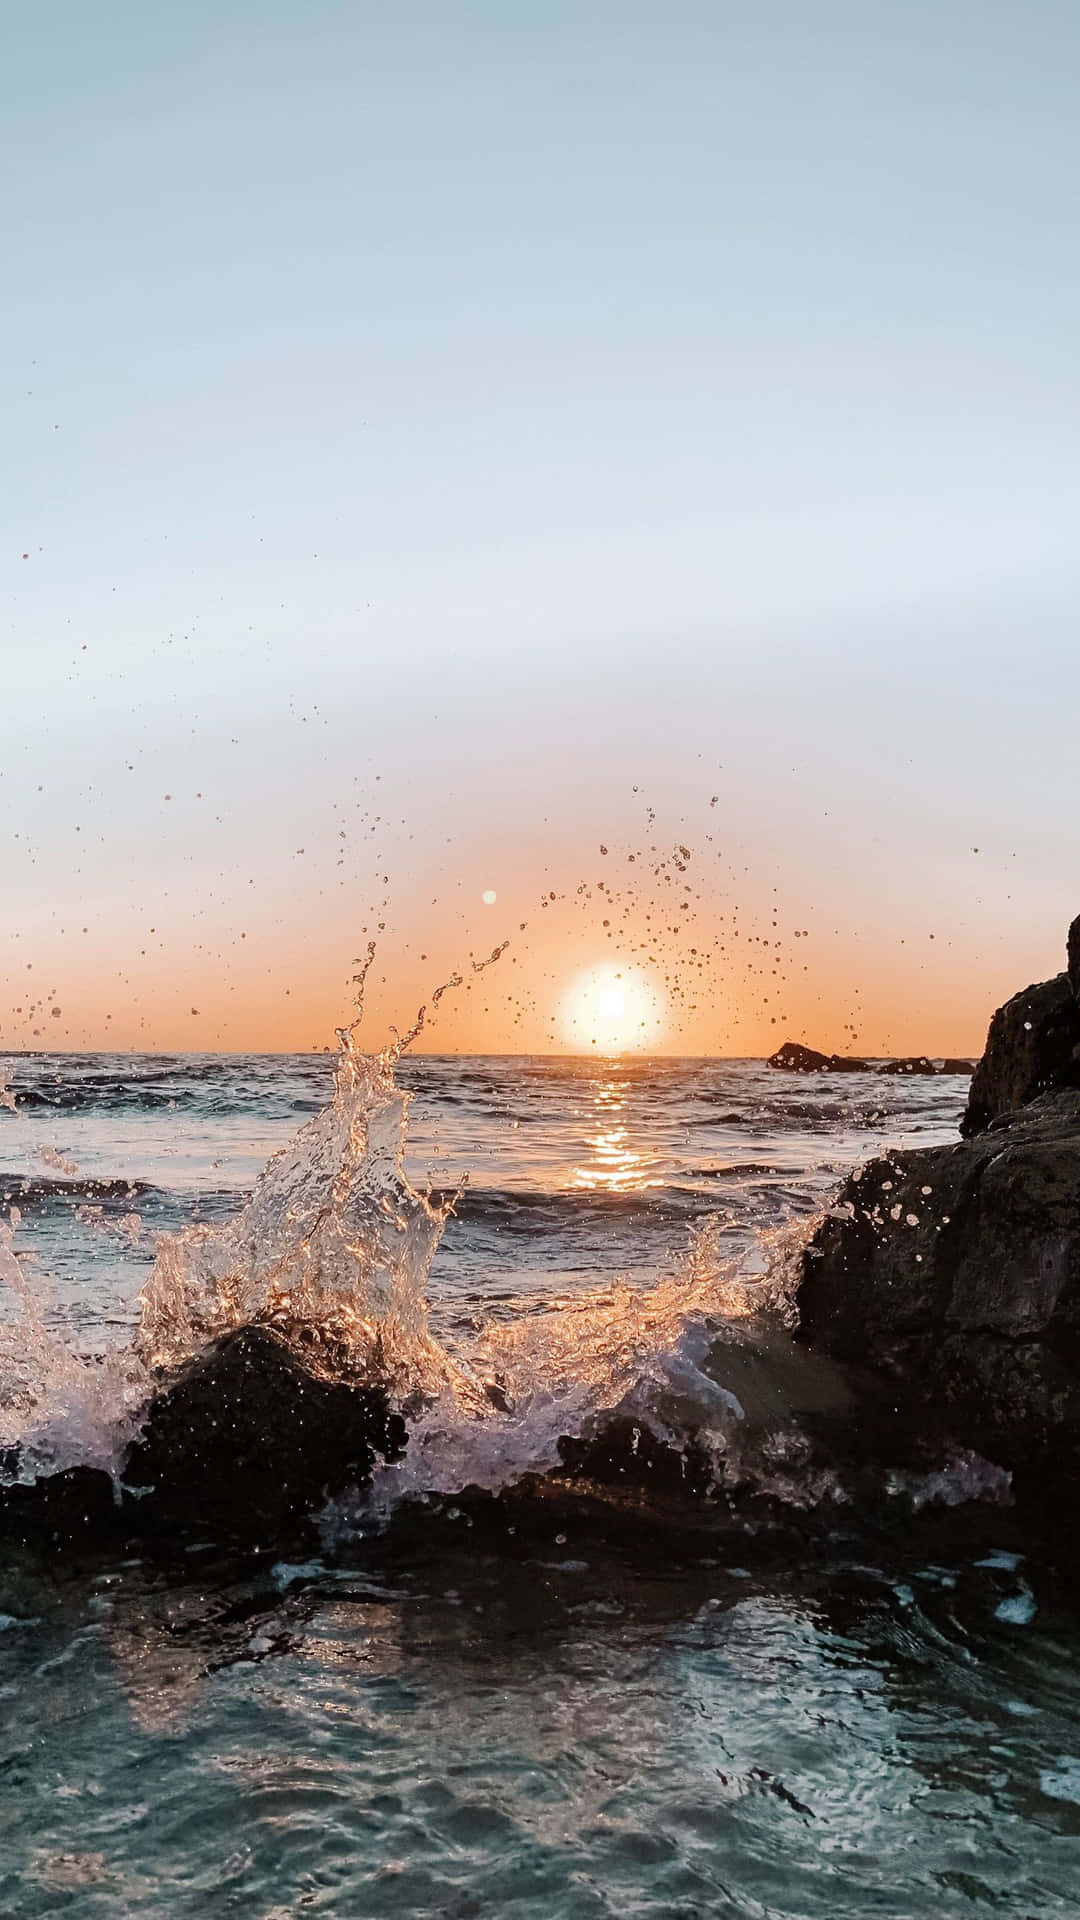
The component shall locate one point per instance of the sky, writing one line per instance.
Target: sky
(444, 440)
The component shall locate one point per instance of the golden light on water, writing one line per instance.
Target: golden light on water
(614, 1164)
(612, 1010)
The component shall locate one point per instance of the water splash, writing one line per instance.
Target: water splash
(333, 1251)
(334, 1240)
(58, 1410)
(671, 1358)
(335, 1243)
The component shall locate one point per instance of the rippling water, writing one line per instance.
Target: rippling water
(535, 1719)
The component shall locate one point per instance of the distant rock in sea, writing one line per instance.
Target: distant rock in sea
(792, 1057)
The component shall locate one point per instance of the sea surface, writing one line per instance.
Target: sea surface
(570, 1721)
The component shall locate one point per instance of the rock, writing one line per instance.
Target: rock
(246, 1440)
(793, 1057)
(1072, 956)
(1032, 1048)
(624, 1451)
(915, 1063)
(66, 1510)
(954, 1273)
(966, 1067)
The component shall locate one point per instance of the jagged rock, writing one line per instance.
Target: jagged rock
(246, 1440)
(954, 1273)
(1072, 955)
(1033, 1047)
(958, 1066)
(915, 1063)
(793, 1057)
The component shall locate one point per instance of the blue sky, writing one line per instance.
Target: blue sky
(522, 404)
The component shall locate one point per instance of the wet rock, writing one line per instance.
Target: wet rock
(246, 1440)
(64, 1511)
(958, 1066)
(915, 1063)
(793, 1057)
(623, 1450)
(954, 1274)
(1033, 1046)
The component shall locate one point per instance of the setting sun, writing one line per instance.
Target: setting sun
(611, 1009)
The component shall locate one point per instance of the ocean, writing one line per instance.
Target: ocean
(430, 1715)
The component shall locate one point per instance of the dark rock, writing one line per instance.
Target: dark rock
(63, 1511)
(915, 1063)
(625, 1451)
(954, 1273)
(966, 1067)
(793, 1057)
(246, 1440)
(1072, 956)
(1032, 1048)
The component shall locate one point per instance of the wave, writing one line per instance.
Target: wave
(742, 1170)
(528, 1207)
(113, 1095)
(28, 1190)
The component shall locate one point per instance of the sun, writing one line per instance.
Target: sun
(611, 1010)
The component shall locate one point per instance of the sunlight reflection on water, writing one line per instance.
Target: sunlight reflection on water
(615, 1165)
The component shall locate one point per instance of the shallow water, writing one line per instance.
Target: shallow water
(564, 1734)
(543, 1716)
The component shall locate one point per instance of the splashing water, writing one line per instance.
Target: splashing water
(56, 1409)
(334, 1241)
(624, 1352)
(333, 1251)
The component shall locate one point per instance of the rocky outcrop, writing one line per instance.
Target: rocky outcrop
(246, 1442)
(246, 1439)
(793, 1057)
(1033, 1047)
(63, 1511)
(954, 1273)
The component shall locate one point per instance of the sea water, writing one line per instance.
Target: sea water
(566, 1719)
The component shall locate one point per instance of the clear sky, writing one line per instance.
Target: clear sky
(442, 439)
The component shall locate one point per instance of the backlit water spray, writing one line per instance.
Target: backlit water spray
(332, 1253)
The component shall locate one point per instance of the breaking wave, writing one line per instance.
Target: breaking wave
(333, 1251)
(332, 1254)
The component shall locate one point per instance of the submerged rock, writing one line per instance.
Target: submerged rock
(793, 1057)
(246, 1439)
